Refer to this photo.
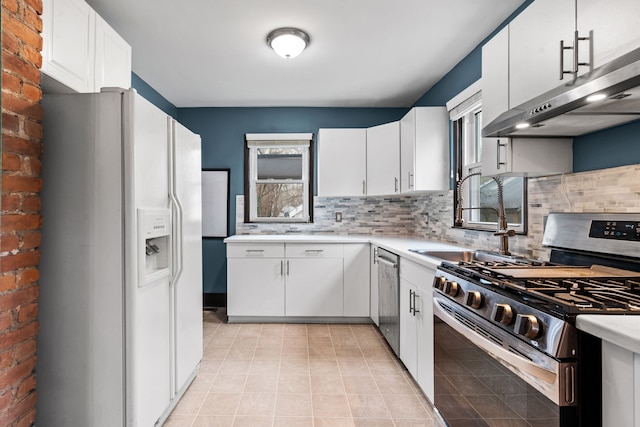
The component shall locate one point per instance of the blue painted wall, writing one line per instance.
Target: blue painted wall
(153, 96)
(222, 131)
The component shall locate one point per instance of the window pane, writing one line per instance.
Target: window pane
(477, 137)
(280, 163)
(280, 200)
(512, 197)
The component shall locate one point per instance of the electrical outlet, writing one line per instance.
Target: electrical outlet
(338, 216)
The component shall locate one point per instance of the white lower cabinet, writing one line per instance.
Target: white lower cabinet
(297, 280)
(374, 298)
(620, 386)
(416, 323)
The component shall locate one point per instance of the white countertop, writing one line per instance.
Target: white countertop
(621, 330)
(397, 245)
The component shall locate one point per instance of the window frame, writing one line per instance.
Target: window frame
(465, 117)
(254, 142)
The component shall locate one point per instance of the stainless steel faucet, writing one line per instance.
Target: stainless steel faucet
(502, 231)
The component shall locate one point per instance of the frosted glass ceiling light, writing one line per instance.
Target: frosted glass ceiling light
(288, 42)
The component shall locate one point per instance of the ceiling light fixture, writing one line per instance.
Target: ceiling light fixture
(288, 42)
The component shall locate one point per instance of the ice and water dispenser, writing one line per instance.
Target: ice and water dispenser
(154, 245)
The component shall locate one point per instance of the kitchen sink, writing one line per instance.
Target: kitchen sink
(464, 256)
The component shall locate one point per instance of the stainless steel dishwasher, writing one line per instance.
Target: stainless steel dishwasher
(389, 297)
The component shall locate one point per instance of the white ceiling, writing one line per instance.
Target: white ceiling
(363, 53)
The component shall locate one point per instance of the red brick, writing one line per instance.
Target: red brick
(31, 204)
(20, 183)
(10, 43)
(25, 350)
(21, 409)
(21, 106)
(11, 5)
(12, 25)
(11, 202)
(10, 122)
(27, 312)
(7, 282)
(9, 339)
(10, 242)
(5, 399)
(20, 260)
(6, 360)
(20, 297)
(32, 55)
(12, 144)
(29, 276)
(31, 128)
(31, 166)
(28, 419)
(21, 222)
(17, 65)
(30, 240)
(26, 386)
(33, 19)
(11, 83)
(11, 162)
(35, 5)
(6, 320)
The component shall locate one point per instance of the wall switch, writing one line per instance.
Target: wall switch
(338, 216)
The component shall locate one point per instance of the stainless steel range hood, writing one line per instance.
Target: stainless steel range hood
(565, 111)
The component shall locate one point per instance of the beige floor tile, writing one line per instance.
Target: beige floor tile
(369, 422)
(213, 421)
(245, 341)
(319, 330)
(268, 353)
(323, 367)
(297, 330)
(405, 406)
(261, 384)
(368, 406)
(327, 384)
(237, 352)
(220, 404)
(250, 330)
(293, 405)
(250, 421)
(273, 329)
(228, 384)
(384, 367)
(349, 353)
(330, 406)
(293, 422)
(354, 367)
(264, 367)
(418, 422)
(235, 367)
(294, 383)
(221, 341)
(190, 403)
(345, 341)
(333, 422)
(257, 404)
(322, 353)
(210, 366)
(319, 342)
(180, 421)
(295, 353)
(294, 341)
(294, 366)
(202, 382)
(215, 353)
(267, 340)
(360, 385)
(393, 384)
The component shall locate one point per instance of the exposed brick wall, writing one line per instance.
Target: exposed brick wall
(20, 217)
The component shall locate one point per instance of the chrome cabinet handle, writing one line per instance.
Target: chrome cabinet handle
(410, 301)
(287, 267)
(415, 295)
(375, 255)
(282, 268)
(498, 162)
(396, 184)
(576, 60)
(364, 187)
(411, 184)
(313, 251)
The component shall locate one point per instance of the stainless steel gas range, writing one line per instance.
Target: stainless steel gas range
(506, 348)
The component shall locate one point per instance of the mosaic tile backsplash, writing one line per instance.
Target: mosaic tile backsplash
(431, 215)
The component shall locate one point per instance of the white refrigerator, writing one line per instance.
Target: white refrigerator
(120, 310)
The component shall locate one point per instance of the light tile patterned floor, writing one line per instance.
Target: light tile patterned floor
(286, 375)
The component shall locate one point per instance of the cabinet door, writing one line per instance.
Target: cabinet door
(113, 58)
(534, 51)
(342, 162)
(408, 151)
(383, 159)
(431, 149)
(615, 25)
(314, 287)
(255, 287)
(408, 328)
(356, 280)
(495, 76)
(68, 51)
(424, 304)
(496, 155)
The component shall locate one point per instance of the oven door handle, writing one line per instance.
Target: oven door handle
(497, 351)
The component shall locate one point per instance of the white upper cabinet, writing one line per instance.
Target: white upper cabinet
(383, 159)
(113, 57)
(80, 50)
(615, 25)
(68, 33)
(526, 157)
(534, 51)
(342, 162)
(495, 76)
(424, 150)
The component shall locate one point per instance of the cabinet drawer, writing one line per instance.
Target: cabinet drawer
(255, 250)
(416, 273)
(311, 250)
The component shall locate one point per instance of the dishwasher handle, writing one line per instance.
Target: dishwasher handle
(391, 263)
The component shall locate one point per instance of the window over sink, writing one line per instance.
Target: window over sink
(278, 177)
(480, 193)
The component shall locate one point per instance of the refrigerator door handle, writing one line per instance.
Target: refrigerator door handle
(176, 205)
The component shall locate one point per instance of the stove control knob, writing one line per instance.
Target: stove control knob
(439, 282)
(474, 299)
(451, 288)
(527, 325)
(502, 313)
